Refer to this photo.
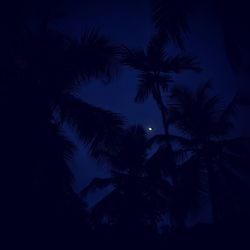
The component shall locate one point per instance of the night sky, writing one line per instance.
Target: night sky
(195, 189)
(129, 23)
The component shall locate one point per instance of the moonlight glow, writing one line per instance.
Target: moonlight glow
(150, 129)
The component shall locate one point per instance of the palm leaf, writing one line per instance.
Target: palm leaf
(98, 183)
(145, 87)
(171, 19)
(97, 127)
(225, 124)
(147, 82)
(135, 58)
(93, 56)
(68, 146)
(156, 51)
(180, 63)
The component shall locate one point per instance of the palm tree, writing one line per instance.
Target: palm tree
(214, 154)
(49, 65)
(155, 68)
(52, 64)
(140, 195)
(171, 19)
(41, 70)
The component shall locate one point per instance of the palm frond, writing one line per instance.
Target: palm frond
(132, 151)
(184, 143)
(134, 58)
(145, 87)
(184, 146)
(93, 56)
(180, 63)
(198, 114)
(68, 146)
(230, 109)
(159, 139)
(98, 183)
(97, 127)
(171, 19)
(181, 95)
(147, 82)
(225, 124)
(181, 155)
(156, 51)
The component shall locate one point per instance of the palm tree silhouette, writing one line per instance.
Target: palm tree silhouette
(140, 195)
(214, 155)
(41, 70)
(52, 65)
(171, 19)
(155, 69)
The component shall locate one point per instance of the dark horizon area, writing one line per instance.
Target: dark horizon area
(126, 123)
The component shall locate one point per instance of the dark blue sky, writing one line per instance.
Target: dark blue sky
(129, 23)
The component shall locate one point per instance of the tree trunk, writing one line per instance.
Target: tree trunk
(212, 194)
(163, 109)
(178, 218)
(164, 119)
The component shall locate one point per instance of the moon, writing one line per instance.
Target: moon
(150, 129)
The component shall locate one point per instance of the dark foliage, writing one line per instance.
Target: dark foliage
(155, 181)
